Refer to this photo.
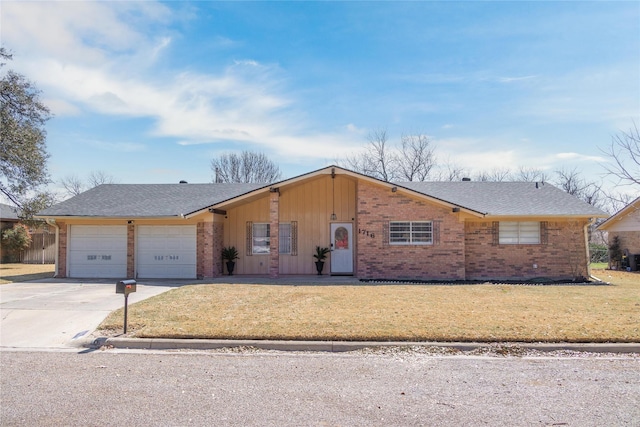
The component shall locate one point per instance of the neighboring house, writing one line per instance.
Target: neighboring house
(626, 225)
(8, 218)
(376, 229)
(43, 243)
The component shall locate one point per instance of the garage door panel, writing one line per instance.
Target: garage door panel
(98, 230)
(91, 244)
(166, 251)
(164, 257)
(97, 251)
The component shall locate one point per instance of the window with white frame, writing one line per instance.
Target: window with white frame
(519, 232)
(410, 232)
(261, 238)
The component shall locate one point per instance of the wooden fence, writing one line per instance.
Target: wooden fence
(41, 251)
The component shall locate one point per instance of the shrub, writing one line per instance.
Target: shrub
(16, 239)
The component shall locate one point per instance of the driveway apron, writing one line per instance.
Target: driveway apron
(55, 313)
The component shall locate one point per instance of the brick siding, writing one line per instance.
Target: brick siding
(376, 259)
(62, 249)
(209, 249)
(561, 255)
(131, 250)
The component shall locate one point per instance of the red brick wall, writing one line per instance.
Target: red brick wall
(561, 255)
(62, 249)
(376, 259)
(131, 250)
(209, 242)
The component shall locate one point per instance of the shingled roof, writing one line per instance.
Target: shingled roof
(168, 200)
(507, 198)
(147, 200)
(8, 213)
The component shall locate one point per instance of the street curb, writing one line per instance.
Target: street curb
(345, 346)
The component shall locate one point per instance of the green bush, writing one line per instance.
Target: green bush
(16, 239)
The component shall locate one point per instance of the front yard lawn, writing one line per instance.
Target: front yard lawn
(11, 273)
(393, 312)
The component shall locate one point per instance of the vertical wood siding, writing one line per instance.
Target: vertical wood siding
(310, 203)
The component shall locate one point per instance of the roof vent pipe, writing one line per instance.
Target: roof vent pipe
(466, 179)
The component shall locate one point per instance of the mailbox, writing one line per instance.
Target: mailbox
(126, 287)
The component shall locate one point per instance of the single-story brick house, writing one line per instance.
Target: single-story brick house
(376, 230)
(626, 225)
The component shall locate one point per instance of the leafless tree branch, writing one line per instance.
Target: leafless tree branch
(624, 150)
(247, 167)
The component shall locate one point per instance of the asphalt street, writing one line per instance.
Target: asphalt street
(263, 388)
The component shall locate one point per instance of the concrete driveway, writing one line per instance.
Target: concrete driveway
(56, 313)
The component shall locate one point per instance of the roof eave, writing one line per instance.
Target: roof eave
(620, 214)
(102, 217)
(549, 216)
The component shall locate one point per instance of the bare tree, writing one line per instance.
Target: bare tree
(450, 171)
(573, 183)
(529, 174)
(247, 167)
(625, 153)
(494, 175)
(100, 177)
(416, 158)
(377, 159)
(618, 201)
(74, 185)
(413, 160)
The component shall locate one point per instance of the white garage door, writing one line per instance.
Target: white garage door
(98, 251)
(166, 252)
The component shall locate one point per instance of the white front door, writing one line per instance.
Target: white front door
(342, 242)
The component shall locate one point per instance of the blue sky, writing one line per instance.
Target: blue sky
(150, 92)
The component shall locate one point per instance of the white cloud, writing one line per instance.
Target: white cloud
(90, 55)
(78, 32)
(579, 157)
(479, 154)
(60, 107)
(515, 79)
(605, 94)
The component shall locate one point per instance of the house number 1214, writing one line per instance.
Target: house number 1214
(366, 232)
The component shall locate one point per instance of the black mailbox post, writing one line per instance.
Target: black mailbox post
(125, 287)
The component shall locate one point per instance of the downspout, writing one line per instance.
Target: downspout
(52, 222)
